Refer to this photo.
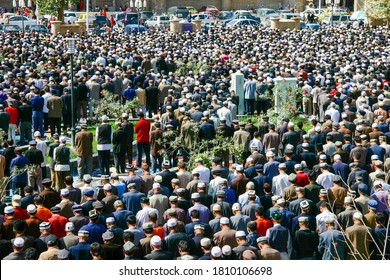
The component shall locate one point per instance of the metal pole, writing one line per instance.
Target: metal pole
(23, 21)
(37, 12)
(319, 8)
(138, 18)
(73, 130)
(87, 17)
(332, 11)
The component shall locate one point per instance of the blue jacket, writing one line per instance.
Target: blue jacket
(250, 89)
(326, 245)
(120, 218)
(80, 251)
(376, 150)
(341, 169)
(95, 232)
(20, 162)
(271, 169)
(37, 103)
(129, 94)
(132, 200)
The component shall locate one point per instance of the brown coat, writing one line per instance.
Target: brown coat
(147, 183)
(185, 177)
(66, 208)
(359, 239)
(55, 104)
(33, 227)
(2, 166)
(289, 193)
(225, 236)
(268, 254)
(271, 140)
(83, 143)
(336, 195)
(144, 243)
(156, 135)
(239, 184)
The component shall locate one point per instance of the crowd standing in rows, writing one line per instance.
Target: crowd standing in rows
(316, 194)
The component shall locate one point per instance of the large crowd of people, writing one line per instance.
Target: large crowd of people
(296, 194)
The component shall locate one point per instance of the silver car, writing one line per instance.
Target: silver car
(157, 22)
(21, 20)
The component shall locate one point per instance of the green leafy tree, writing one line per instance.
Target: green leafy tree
(54, 7)
(109, 105)
(378, 10)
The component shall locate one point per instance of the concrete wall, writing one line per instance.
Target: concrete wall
(58, 28)
(285, 24)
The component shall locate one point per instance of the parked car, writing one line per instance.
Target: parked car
(310, 26)
(192, 9)
(133, 28)
(6, 14)
(336, 19)
(119, 18)
(180, 12)
(130, 18)
(316, 12)
(40, 28)
(359, 16)
(283, 11)
(9, 28)
(243, 23)
(20, 21)
(157, 21)
(262, 12)
(100, 21)
(289, 16)
(91, 17)
(265, 15)
(70, 17)
(223, 17)
(206, 18)
(245, 16)
(145, 15)
(209, 8)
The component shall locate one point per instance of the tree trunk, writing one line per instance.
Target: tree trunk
(60, 13)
